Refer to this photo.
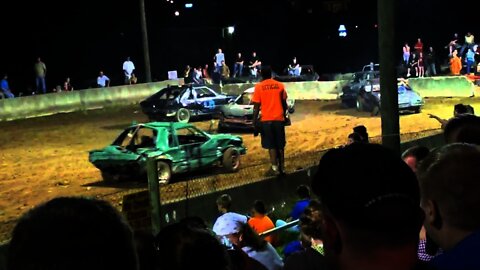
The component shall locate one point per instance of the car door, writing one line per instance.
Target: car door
(193, 147)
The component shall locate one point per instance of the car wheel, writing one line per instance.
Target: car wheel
(183, 115)
(291, 110)
(360, 106)
(418, 109)
(164, 172)
(231, 160)
(109, 177)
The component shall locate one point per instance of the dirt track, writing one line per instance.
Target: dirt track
(47, 157)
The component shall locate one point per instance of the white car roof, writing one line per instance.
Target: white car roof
(249, 90)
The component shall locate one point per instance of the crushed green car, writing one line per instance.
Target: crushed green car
(176, 147)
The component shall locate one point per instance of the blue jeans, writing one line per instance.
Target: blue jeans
(469, 65)
(8, 94)
(41, 84)
(237, 68)
(294, 72)
(431, 69)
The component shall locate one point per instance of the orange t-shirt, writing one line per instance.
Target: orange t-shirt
(269, 93)
(262, 224)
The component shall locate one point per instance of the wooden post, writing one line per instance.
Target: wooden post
(154, 190)
(388, 75)
(146, 52)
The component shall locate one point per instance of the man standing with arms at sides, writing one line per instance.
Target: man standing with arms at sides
(40, 73)
(270, 98)
(219, 57)
(128, 68)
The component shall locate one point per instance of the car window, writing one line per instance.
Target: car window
(169, 93)
(125, 137)
(144, 138)
(190, 135)
(245, 99)
(203, 92)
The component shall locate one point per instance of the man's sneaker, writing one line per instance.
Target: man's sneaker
(272, 172)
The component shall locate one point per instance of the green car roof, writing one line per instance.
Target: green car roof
(156, 125)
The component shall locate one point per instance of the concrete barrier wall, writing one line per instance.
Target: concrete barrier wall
(40, 105)
(445, 86)
(88, 99)
(324, 90)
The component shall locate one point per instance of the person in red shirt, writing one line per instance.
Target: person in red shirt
(419, 46)
(270, 102)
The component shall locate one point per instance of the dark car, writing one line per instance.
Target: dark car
(181, 103)
(364, 94)
(176, 147)
(358, 82)
(307, 73)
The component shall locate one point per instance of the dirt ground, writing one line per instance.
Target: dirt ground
(46, 157)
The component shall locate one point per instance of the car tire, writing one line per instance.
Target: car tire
(291, 110)
(182, 115)
(109, 177)
(417, 109)
(360, 106)
(164, 172)
(231, 160)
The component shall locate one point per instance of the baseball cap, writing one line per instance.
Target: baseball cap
(229, 223)
(359, 183)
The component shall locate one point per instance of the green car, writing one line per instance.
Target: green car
(176, 147)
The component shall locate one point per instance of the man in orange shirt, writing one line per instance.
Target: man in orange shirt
(270, 101)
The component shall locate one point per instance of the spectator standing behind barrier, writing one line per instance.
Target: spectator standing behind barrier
(72, 233)
(128, 68)
(455, 63)
(270, 97)
(372, 216)
(40, 73)
(6, 88)
(430, 61)
(238, 66)
(219, 58)
(103, 80)
(449, 187)
(254, 65)
(469, 42)
(67, 86)
(294, 68)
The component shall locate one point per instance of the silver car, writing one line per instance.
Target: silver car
(239, 112)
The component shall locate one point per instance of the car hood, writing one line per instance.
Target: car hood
(409, 96)
(237, 110)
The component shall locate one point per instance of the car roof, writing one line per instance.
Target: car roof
(249, 90)
(156, 125)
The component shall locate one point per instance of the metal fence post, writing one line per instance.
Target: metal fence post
(154, 190)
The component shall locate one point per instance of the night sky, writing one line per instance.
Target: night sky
(79, 39)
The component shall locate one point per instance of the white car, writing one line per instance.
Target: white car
(239, 112)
